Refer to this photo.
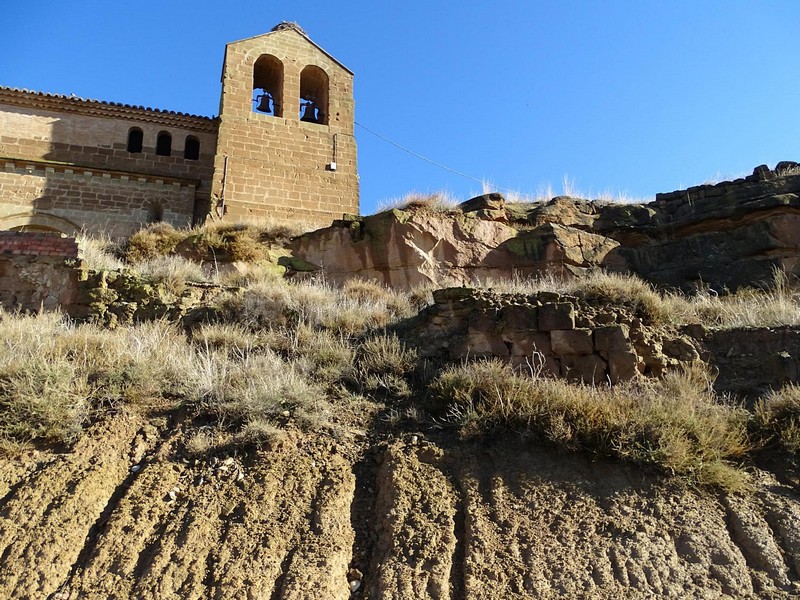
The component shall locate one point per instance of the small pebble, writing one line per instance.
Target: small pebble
(136, 468)
(354, 585)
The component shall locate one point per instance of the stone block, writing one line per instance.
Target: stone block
(526, 343)
(571, 341)
(560, 315)
(590, 369)
(624, 365)
(520, 318)
(483, 323)
(485, 344)
(611, 338)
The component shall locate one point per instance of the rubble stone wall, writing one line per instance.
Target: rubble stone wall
(38, 271)
(559, 335)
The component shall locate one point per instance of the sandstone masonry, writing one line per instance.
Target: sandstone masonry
(68, 164)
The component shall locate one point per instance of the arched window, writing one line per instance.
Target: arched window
(314, 95)
(135, 139)
(191, 151)
(268, 86)
(164, 144)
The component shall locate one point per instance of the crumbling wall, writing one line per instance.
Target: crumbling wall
(560, 335)
(38, 271)
(112, 298)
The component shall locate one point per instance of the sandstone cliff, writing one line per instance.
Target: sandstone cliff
(723, 236)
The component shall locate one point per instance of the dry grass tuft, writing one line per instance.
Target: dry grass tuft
(675, 424)
(440, 202)
(777, 419)
(99, 253)
(154, 241)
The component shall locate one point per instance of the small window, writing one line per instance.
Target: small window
(164, 144)
(135, 139)
(191, 151)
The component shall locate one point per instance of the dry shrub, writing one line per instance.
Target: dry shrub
(174, 272)
(777, 418)
(56, 376)
(384, 363)
(284, 304)
(99, 252)
(675, 424)
(773, 305)
(258, 387)
(156, 240)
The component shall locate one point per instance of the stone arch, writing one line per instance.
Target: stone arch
(268, 85)
(39, 222)
(314, 95)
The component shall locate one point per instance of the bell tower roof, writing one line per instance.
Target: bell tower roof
(288, 25)
(285, 26)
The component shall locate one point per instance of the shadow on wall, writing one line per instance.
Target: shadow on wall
(66, 173)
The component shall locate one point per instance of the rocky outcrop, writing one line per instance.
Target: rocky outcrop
(724, 236)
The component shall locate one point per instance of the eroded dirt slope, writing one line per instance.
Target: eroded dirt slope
(125, 514)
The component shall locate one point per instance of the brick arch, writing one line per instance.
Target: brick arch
(39, 222)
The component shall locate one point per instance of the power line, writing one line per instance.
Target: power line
(428, 160)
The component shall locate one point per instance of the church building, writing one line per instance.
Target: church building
(282, 147)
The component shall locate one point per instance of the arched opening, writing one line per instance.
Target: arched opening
(314, 95)
(268, 86)
(191, 150)
(135, 140)
(155, 211)
(164, 144)
(38, 222)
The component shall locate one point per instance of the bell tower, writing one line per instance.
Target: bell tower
(285, 147)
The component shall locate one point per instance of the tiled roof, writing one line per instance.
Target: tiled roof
(63, 103)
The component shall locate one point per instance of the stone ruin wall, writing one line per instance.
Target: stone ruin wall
(64, 165)
(38, 271)
(564, 336)
(558, 334)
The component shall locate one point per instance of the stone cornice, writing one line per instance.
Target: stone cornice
(111, 110)
(42, 167)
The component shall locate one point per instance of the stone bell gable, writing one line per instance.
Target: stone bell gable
(282, 147)
(286, 147)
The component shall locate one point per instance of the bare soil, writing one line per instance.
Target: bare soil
(125, 513)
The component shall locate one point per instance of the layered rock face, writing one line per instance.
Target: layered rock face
(724, 236)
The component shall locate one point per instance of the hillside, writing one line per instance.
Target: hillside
(202, 426)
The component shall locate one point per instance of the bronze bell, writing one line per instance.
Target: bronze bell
(263, 103)
(309, 113)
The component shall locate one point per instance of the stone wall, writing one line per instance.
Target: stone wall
(279, 166)
(251, 165)
(64, 165)
(112, 298)
(560, 335)
(38, 271)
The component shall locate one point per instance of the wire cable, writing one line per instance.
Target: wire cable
(428, 160)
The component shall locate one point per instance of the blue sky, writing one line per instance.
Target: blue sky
(621, 97)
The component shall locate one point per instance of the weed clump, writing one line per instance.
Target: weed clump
(674, 424)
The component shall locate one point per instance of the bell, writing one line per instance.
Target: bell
(263, 104)
(309, 113)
